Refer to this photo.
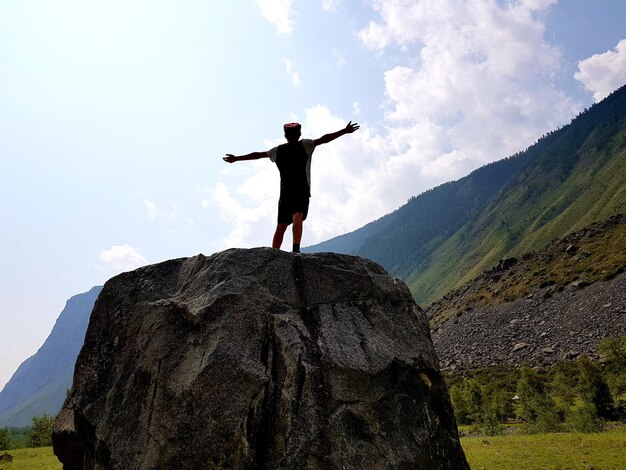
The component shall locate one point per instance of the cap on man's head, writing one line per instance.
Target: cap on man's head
(292, 129)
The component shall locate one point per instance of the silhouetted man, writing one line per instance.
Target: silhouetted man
(293, 160)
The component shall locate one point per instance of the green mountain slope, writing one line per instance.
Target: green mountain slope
(48, 400)
(595, 253)
(446, 236)
(575, 183)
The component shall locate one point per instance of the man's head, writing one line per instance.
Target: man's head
(292, 131)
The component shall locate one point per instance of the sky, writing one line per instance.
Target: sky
(115, 116)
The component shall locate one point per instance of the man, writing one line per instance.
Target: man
(293, 160)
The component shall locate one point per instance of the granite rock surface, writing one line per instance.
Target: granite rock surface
(258, 359)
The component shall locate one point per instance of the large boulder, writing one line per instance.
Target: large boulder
(258, 359)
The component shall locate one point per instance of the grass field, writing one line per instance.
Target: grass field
(603, 451)
(38, 458)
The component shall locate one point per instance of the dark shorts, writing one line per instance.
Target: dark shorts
(288, 206)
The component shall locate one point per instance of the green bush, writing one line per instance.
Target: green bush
(490, 425)
(593, 389)
(19, 437)
(5, 439)
(498, 405)
(582, 417)
(461, 411)
(41, 431)
(535, 406)
(613, 351)
(574, 395)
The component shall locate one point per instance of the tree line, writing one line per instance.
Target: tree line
(580, 396)
(38, 434)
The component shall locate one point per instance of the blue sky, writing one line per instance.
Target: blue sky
(114, 117)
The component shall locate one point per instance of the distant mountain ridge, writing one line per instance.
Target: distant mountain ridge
(446, 236)
(39, 384)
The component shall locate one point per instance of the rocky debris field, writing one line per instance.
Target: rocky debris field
(541, 328)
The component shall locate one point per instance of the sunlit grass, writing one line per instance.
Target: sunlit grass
(38, 458)
(601, 451)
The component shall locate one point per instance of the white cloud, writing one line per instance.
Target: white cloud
(251, 211)
(151, 208)
(277, 12)
(481, 85)
(294, 76)
(356, 107)
(603, 73)
(123, 257)
(330, 5)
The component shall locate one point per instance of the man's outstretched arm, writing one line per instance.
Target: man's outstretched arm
(349, 129)
(230, 158)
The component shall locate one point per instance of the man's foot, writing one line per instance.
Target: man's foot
(296, 248)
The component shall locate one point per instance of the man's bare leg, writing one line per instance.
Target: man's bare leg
(278, 235)
(298, 219)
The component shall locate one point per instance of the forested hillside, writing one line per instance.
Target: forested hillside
(446, 236)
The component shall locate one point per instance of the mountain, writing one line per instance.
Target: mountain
(40, 383)
(447, 236)
(595, 253)
(546, 306)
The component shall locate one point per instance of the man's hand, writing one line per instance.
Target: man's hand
(350, 128)
(230, 158)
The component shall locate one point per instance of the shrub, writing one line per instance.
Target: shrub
(534, 405)
(41, 431)
(473, 397)
(489, 425)
(5, 439)
(498, 404)
(582, 417)
(593, 389)
(461, 412)
(613, 351)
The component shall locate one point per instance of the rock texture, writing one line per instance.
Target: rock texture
(258, 359)
(540, 329)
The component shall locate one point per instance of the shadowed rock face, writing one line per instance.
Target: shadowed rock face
(258, 359)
